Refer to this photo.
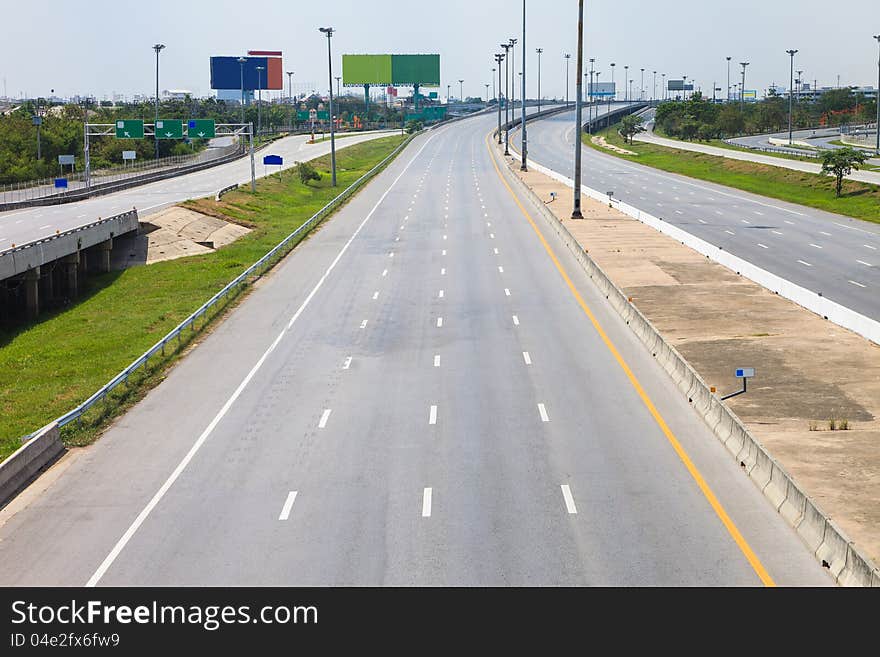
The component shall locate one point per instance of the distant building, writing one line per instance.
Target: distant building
(176, 94)
(807, 93)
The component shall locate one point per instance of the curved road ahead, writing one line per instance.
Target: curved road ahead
(415, 396)
(819, 251)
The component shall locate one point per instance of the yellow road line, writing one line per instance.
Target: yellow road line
(744, 547)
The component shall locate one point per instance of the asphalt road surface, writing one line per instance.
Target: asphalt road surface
(820, 251)
(415, 396)
(22, 226)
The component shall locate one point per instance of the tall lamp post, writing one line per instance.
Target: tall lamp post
(877, 144)
(663, 84)
(654, 89)
(499, 57)
(590, 96)
(494, 93)
(513, 43)
(329, 32)
(524, 148)
(260, 70)
(461, 90)
(625, 78)
(487, 92)
(642, 86)
(241, 61)
(727, 99)
(579, 112)
(507, 48)
(567, 59)
(290, 100)
(158, 48)
(791, 54)
(742, 87)
(613, 88)
(539, 51)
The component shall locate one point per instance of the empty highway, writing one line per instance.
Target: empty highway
(820, 251)
(428, 391)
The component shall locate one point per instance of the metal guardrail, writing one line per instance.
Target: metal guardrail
(774, 149)
(226, 189)
(256, 270)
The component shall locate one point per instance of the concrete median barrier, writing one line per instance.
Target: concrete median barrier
(822, 537)
(29, 460)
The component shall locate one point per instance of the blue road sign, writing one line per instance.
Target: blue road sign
(61, 183)
(745, 373)
(273, 159)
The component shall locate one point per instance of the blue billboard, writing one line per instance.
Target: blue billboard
(226, 73)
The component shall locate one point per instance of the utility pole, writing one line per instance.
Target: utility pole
(158, 48)
(507, 47)
(567, 59)
(241, 61)
(727, 99)
(576, 212)
(290, 100)
(329, 32)
(791, 54)
(524, 149)
(742, 88)
(260, 70)
(877, 145)
(499, 57)
(539, 51)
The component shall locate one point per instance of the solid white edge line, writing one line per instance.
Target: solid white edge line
(145, 512)
(324, 417)
(527, 358)
(432, 415)
(288, 504)
(543, 411)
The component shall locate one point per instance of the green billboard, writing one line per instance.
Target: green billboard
(415, 69)
(381, 70)
(366, 69)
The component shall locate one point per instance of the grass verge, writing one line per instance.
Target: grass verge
(859, 200)
(49, 367)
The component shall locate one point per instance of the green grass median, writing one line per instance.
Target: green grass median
(859, 200)
(49, 367)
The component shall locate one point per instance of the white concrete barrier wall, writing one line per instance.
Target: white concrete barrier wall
(29, 460)
(822, 537)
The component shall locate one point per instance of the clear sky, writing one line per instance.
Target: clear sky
(104, 46)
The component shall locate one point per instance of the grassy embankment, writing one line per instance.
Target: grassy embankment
(859, 200)
(49, 367)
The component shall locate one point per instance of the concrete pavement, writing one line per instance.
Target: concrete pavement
(414, 396)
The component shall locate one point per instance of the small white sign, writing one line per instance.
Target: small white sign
(129, 155)
(120, 124)
(160, 125)
(745, 372)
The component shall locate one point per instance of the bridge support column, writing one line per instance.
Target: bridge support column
(70, 273)
(32, 292)
(102, 250)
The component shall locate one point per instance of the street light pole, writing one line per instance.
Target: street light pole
(642, 86)
(663, 84)
(289, 100)
(494, 93)
(727, 100)
(625, 78)
(329, 32)
(499, 57)
(654, 89)
(742, 88)
(590, 96)
(158, 48)
(487, 92)
(461, 90)
(260, 70)
(791, 54)
(567, 59)
(507, 55)
(576, 212)
(241, 61)
(877, 146)
(539, 51)
(513, 78)
(524, 147)
(613, 95)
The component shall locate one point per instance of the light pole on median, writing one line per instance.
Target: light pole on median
(642, 86)
(158, 48)
(507, 47)
(877, 145)
(487, 92)
(567, 59)
(663, 84)
(742, 87)
(613, 95)
(590, 96)
(499, 57)
(260, 70)
(329, 32)
(727, 99)
(289, 100)
(539, 51)
(625, 78)
(494, 93)
(524, 149)
(791, 54)
(579, 113)
(241, 61)
(513, 43)
(461, 90)
(654, 89)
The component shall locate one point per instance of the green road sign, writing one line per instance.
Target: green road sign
(169, 129)
(200, 129)
(323, 115)
(130, 129)
(302, 116)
